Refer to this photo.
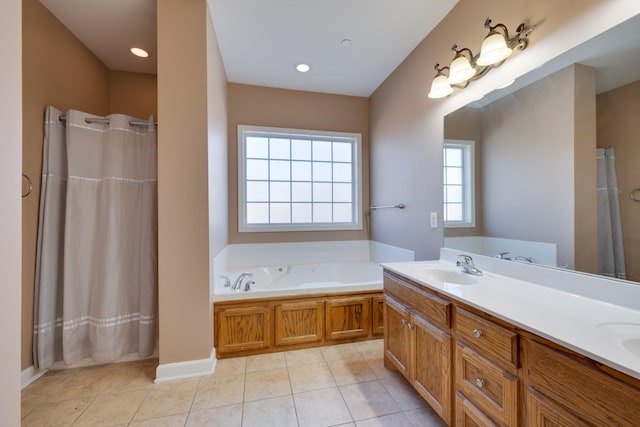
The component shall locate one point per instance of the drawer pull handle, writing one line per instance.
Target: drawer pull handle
(479, 382)
(477, 333)
(410, 326)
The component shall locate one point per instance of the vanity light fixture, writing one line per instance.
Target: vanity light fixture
(465, 67)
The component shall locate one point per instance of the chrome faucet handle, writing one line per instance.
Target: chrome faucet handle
(247, 286)
(465, 258)
(227, 281)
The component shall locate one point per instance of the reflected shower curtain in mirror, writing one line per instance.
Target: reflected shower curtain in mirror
(96, 272)
(610, 244)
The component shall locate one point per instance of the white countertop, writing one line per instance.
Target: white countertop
(602, 331)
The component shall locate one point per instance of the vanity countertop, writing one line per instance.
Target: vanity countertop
(602, 331)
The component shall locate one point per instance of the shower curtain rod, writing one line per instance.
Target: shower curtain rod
(63, 118)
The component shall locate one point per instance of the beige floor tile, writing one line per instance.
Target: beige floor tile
(424, 417)
(265, 362)
(371, 348)
(393, 420)
(219, 391)
(43, 389)
(321, 408)
(340, 352)
(303, 357)
(276, 412)
(132, 378)
(402, 392)
(266, 384)
(377, 366)
(169, 421)
(351, 371)
(86, 382)
(112, 408)
(345, 425)
(224, 416)
(310, 377)
(57, 413)
(233, 366)
(168, 399)
(368, 400)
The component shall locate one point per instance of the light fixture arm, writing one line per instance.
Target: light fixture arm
(519, 41)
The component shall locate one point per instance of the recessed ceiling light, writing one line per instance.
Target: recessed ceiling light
(139, 52)
(345, 42)
(303, 68)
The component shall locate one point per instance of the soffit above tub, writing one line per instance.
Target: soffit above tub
(261, 41)
(109, 28)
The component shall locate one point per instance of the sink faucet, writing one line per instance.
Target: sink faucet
(503, 255)
(523, 258)
(238, 283)
(466, 262)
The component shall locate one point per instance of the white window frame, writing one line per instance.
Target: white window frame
(243, 226)
(468, 184)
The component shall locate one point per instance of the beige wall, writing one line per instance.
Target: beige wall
(183, 194)
(617, 126)
(134, 94)
(59, 70)
(263, 106)
(531, 156)
(466, 124)
(407, 127)
(218, 169)
(10, 219)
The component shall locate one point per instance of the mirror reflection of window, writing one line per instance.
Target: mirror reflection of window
(458, 176)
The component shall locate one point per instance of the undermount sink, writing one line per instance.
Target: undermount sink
(448, 276)
(626, 335)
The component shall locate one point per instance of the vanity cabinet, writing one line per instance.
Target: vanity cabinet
(419, 346)
(474, 369)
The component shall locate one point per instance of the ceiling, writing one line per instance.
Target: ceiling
(261, 41)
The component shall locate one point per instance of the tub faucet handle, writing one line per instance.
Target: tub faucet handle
(247, 285)
(227, 281)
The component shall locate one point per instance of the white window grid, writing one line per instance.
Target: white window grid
(458, 180)
(280, 172)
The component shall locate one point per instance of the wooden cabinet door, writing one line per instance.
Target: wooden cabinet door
(541, 411)
(244, 328)
(432, 360)
(377, 316)
(467, 415)
(348, 317)
(299, 322)
(397, 337)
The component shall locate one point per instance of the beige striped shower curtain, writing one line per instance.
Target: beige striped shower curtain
(96, 272)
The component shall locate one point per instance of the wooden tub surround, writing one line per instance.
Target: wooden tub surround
(476, 370)
(264, 325)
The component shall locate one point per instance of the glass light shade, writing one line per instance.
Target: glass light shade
(494, 49)
(440, 87)
(460, 70)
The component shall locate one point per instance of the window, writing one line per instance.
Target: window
(459, 208)
(298, 180)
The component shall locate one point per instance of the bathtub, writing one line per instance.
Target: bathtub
(308, 268)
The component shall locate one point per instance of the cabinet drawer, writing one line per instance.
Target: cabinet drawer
(590, 395)
(495, 342)
(467, 415)
(431, 307)
(489, 387)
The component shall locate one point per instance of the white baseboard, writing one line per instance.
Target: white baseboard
(188, 369)
(31, 374)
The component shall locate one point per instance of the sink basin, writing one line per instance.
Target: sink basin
(625, 335)
(448, 276)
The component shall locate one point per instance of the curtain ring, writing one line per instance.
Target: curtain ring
(30, 185)
(635, 194)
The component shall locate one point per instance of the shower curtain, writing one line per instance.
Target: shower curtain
(610, 244)
(96, 272)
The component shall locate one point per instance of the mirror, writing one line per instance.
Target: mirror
(542, 147)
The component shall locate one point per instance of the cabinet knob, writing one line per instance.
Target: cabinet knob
(410, 326)
(404, 321)
(477, 333)
(479, 382)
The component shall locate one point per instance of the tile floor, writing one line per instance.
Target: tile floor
(342, 385)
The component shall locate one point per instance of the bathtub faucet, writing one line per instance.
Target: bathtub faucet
(238, 283)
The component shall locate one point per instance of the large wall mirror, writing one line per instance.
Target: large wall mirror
(556, 163)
